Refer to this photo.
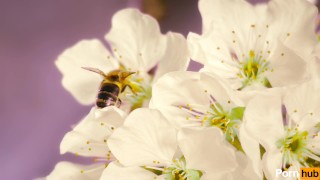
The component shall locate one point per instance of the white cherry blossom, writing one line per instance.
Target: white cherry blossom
(287, 126)
(89, 139)
(147, 140)
(255, 47)
(137, 45)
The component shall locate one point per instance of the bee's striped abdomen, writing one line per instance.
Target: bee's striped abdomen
(108, 95)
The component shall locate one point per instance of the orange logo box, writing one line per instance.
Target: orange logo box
(309, 173)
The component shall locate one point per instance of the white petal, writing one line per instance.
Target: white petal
(218, 88)
(195, 48)
(303, 104)
(286, 67)
(145, 137)
(115, 171)
(314, 67)
(70, 171)
(176, 57)
(136, 39)
(177, 89)
(272, 160)
(168, 90)
(298, 18)
(230, 12)
(206, 150)
(82, 84)
(251, 149)
(89, 137)
(263, 119)
(246, 169)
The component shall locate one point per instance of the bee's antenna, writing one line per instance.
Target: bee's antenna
(125, 74)
(98, 71)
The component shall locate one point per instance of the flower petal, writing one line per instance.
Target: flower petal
(136, 40)
(205, 149)
(287, 68)
(69, 171)
(217, 88)
(263, 119)
(294, 23)
(177, 89)
(271, 161)
(239, 13)
(303, 104)
(175, 58)
(89, 137)
(82, 84)
(146, 138)
(251, 149)
(115, 171)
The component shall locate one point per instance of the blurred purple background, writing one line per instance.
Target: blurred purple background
(35, 110)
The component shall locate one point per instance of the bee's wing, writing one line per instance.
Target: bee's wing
(98, 71)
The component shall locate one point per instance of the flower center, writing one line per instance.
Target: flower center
(294, 147)
(294, 142)
(252, 71)
(141, 85)
(178, 171)
(216, 115)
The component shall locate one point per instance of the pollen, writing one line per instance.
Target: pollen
(88, 142)
(288, 34)
(251, 54)
(102, 124)
(218, 48)
(252, 25)
(282, 54)
(82, 171)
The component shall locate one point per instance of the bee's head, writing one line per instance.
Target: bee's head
(115, 76)
(118, 75)
(124, 74)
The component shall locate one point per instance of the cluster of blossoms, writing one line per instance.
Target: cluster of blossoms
(253, 108)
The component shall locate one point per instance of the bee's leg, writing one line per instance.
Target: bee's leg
(132, 87)
(118, 102)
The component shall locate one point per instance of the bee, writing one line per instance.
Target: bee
(113, 83)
